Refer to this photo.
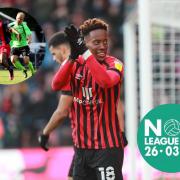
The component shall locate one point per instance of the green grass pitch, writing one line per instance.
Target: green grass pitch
(18, 77)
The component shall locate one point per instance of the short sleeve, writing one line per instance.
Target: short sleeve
(27, 30)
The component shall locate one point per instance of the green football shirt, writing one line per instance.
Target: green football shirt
(23, 30)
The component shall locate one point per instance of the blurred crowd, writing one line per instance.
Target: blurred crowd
(25, 108)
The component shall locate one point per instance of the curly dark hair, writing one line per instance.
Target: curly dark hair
(92, 24)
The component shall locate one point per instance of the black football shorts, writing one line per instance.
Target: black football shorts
(70, 173)
(24, 51)
(102, 164)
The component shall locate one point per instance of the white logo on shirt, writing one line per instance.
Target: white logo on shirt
(87, 102)
(87, 92)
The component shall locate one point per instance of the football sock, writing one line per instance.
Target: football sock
(19, 66)
(30, 65)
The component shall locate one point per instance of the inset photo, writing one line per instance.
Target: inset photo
(22, 46)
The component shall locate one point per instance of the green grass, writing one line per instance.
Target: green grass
(18, 77)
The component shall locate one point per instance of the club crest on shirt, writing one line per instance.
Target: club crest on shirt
(118, 65)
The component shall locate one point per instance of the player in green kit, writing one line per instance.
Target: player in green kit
(20, 40)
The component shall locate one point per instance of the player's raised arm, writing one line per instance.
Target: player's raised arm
(63, 74)
(104, 77)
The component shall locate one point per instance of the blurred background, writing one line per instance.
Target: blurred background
(153, 67)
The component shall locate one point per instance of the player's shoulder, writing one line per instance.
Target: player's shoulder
(24, 23)
(80, 59)
(113, 60)
(114, 63)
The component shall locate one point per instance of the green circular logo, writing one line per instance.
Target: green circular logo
(159, 138)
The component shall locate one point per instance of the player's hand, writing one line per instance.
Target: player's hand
(124, 139)
(43, 141)
(76, 41)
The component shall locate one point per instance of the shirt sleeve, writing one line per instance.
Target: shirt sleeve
(117, 66)
(62, 76)
(26, 28)
(106, 78)
(66, 90)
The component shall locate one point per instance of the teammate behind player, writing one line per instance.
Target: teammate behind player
(60, 50)
(20, 40)
(95, 78)
(5, 49)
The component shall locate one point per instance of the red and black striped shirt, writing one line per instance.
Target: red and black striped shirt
(2, 38)
(4, 34)
(94, 108)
